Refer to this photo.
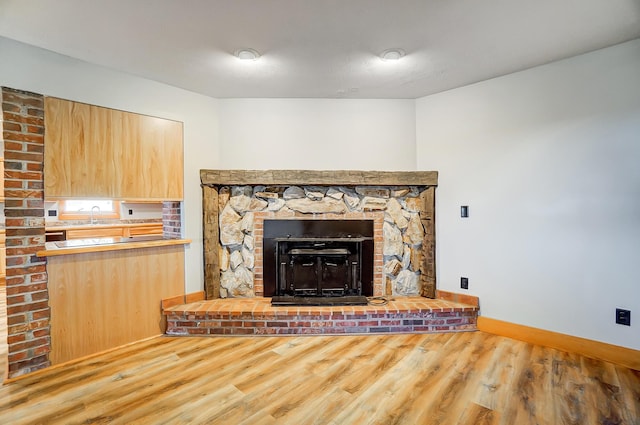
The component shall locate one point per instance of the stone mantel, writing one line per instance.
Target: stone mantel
(219, 185)
(320, 178)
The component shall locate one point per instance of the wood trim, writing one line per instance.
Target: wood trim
(428, 250)
(623, 356)
(315, 177)
(211, 231)
(189, 298)
(458, 298)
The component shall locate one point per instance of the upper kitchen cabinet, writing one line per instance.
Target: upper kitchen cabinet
(96, 152)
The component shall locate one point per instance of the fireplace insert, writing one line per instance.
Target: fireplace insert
(318, 258)
(318, 266)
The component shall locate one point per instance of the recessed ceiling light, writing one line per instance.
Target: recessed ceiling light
(247, 54)
(392, 54)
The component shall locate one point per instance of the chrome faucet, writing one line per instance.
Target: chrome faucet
(93, 219)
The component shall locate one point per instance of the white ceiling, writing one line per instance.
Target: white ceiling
(320, 48)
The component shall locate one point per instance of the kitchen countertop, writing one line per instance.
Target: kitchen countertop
(81, 246)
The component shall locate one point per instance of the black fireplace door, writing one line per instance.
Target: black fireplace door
(317, 272)
(302, 275)
(319, 269)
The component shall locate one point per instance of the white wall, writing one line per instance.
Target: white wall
(548, 161)
(40, 71)
(317, 134)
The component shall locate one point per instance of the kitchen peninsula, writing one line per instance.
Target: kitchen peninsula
(106, 292)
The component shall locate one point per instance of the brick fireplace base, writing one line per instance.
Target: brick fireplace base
(256, 316)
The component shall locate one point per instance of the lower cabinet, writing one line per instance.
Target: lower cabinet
(102, 300)
(143, 230)
(94, 233)
(115, 231)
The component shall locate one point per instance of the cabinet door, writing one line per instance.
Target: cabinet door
(94, 233)
(99, 152)
(156, 229)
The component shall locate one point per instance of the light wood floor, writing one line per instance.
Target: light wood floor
(458, 378)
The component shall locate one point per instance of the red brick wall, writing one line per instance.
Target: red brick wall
(28, 310)
(171, 219)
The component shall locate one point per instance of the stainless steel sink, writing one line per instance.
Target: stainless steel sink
(76, 243)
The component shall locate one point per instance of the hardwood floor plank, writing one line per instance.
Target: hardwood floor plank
(318, 410)
(204, 398)
(603, 391)
(459, 378)
(492, 388)
(568, 389)
(474, 414)
(517, 404)
(333, 372)
(381, 401)
(67, 378)
(462, 387)
(137, 395)
(630, 390)
(376, 363)
(444, 391)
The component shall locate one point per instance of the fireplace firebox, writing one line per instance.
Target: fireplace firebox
(318, 258)
(318, 266)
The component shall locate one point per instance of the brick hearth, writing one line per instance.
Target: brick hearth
(256, 316)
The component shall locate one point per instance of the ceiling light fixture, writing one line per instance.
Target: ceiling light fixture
(392, 54)
(247, 54)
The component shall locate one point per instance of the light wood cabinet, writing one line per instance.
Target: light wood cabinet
(114, 231)
(94, 233)
(3, 257)
(143, 230)
(102, 300)
(96, 152)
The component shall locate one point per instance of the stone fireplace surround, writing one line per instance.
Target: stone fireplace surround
(401, 205)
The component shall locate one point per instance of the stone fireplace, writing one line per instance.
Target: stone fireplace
(285, 232)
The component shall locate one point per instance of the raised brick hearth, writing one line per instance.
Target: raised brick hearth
(256, 316)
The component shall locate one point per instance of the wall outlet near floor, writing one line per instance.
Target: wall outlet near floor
(464, 282)
(623, 317)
